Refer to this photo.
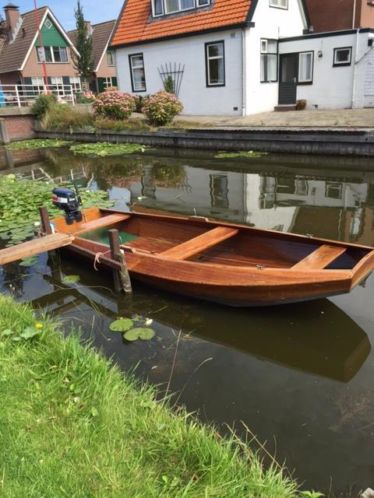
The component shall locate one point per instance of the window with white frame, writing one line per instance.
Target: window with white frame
(342, 56)
(137, 73)
(75, 83)
(111, 58)
(306, 60)
(52, 54)
(269, 60)
(108, 82)
(215, 63)
(280, 4)
(164, 7)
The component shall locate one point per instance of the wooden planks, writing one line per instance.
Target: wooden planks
(34, 247)
(102, 222)
(320, 258)
(200, 243)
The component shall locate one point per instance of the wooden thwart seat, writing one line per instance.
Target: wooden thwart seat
(200, 243)
(320, 258)
(105, 221)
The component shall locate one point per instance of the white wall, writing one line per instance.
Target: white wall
(271, 23)
(333, 87)
(197, 98)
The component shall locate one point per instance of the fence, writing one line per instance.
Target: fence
(25, 95)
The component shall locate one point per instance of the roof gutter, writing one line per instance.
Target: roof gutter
(246, 24)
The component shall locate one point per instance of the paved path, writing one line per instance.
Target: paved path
(332, 118)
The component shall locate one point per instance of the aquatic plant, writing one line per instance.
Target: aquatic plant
(249, 154)
(37, 143)
(126, 327)
(142, 333)
(104, 149)
(20, 200)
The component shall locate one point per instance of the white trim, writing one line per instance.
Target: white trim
(62, 32)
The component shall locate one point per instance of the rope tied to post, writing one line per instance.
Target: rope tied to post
(98, 257)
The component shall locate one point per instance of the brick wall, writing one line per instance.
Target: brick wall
(20, 127)
(18, 124)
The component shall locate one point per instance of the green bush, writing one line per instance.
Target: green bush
(42, 105)
(64, 117)
(161, 108)
(114, 105)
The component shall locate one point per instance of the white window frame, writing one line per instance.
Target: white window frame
(208, 58)
(348, 62)
(134, 68)
(75, 83)
(279, 4)
(41, 55)
(300, 78)
(108, 82)
(264, 51)
(111, 58)
(197, 4)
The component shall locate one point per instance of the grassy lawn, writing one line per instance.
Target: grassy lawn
(71, 425)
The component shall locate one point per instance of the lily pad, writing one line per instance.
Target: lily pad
(28, 262)
(121, 325)
(144, 334)
(71, 279)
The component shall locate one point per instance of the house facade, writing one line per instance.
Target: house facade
(36, 47)
(221, 55)
(328, 70)
(336, 15)
(104, 60)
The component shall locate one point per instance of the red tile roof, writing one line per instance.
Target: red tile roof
(136, 24)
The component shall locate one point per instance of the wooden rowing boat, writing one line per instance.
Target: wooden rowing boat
(217, 261)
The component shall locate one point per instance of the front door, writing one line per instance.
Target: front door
(288, 72)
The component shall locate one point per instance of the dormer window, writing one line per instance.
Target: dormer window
(165, 7)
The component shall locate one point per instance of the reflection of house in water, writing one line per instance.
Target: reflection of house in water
(333, 208)
(303, 205)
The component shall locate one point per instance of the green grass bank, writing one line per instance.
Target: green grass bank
(72, 425)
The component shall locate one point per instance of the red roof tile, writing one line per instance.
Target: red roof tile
(136, 24)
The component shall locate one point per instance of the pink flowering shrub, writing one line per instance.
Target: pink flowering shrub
(161, 108)
(114, 105)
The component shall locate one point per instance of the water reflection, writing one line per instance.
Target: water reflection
(304, 372)
(329, 343)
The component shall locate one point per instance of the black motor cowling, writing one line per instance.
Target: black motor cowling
(68, 201)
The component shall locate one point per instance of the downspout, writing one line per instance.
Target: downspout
(244, 71)
(355, 62)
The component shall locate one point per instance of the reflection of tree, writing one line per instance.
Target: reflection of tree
(169, 176)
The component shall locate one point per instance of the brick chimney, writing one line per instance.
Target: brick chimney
(12, 17)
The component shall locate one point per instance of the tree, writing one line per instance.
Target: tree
(84, 62)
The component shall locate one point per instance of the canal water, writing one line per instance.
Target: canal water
(299, 377)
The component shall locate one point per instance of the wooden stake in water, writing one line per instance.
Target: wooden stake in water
(44, 217)
(122, 279)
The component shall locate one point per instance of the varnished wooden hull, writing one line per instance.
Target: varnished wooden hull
(226, 263)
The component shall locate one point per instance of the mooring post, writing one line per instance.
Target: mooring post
(44, 217)
(121, 277)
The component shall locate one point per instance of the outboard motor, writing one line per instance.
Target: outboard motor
(68, 201)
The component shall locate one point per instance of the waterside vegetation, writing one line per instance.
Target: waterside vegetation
(73, 425)
(20, 199)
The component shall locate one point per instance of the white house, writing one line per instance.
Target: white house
(221, 55)
(328, 70)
